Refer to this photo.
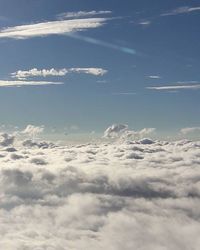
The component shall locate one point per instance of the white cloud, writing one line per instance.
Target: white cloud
(175, 87)
(6, 139)
(51, 28)
(92, 71)
(32, 130)
(11, 83)
(115, 130)
(154, 77)
(186, 131)
(122, 132)
(81, 14)
(181, 10)
(23, 74)
(144, 23)
(130, 195)
(133, 135)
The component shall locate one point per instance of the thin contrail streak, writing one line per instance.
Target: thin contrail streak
(103, 44)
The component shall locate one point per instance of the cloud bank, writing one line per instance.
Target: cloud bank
(129, 195)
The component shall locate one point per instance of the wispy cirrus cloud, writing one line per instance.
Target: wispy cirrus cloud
(10, 83)
(81, 14)
(154, 77)
(147, 21)
(144, 22)
(175, 87)
(23, 74)
(60, 27)
(91, 71)
(181, 10)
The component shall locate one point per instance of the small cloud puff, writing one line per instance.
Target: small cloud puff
(122, 131)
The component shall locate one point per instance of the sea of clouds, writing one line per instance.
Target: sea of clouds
(119, 195)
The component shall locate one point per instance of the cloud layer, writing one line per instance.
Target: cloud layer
(123, 195)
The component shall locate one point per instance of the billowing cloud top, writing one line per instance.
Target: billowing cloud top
(133, 195)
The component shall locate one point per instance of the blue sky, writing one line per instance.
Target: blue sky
(134, 62)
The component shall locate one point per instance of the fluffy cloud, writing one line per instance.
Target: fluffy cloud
(23, 74)
(32, 130)
(121, 195)
(6, 139)
(122, 131)
(115, 130)
(42, 29)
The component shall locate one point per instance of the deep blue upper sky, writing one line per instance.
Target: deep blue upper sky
(164, 34)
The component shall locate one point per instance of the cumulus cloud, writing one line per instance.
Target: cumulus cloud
(32, 130)
(186, 131)
(42, 29)
(114, 130)
(122, 131)
(84, 14)
(130, 195)
(6, 139)
(23, 74)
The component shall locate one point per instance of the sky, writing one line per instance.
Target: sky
(89, 64)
